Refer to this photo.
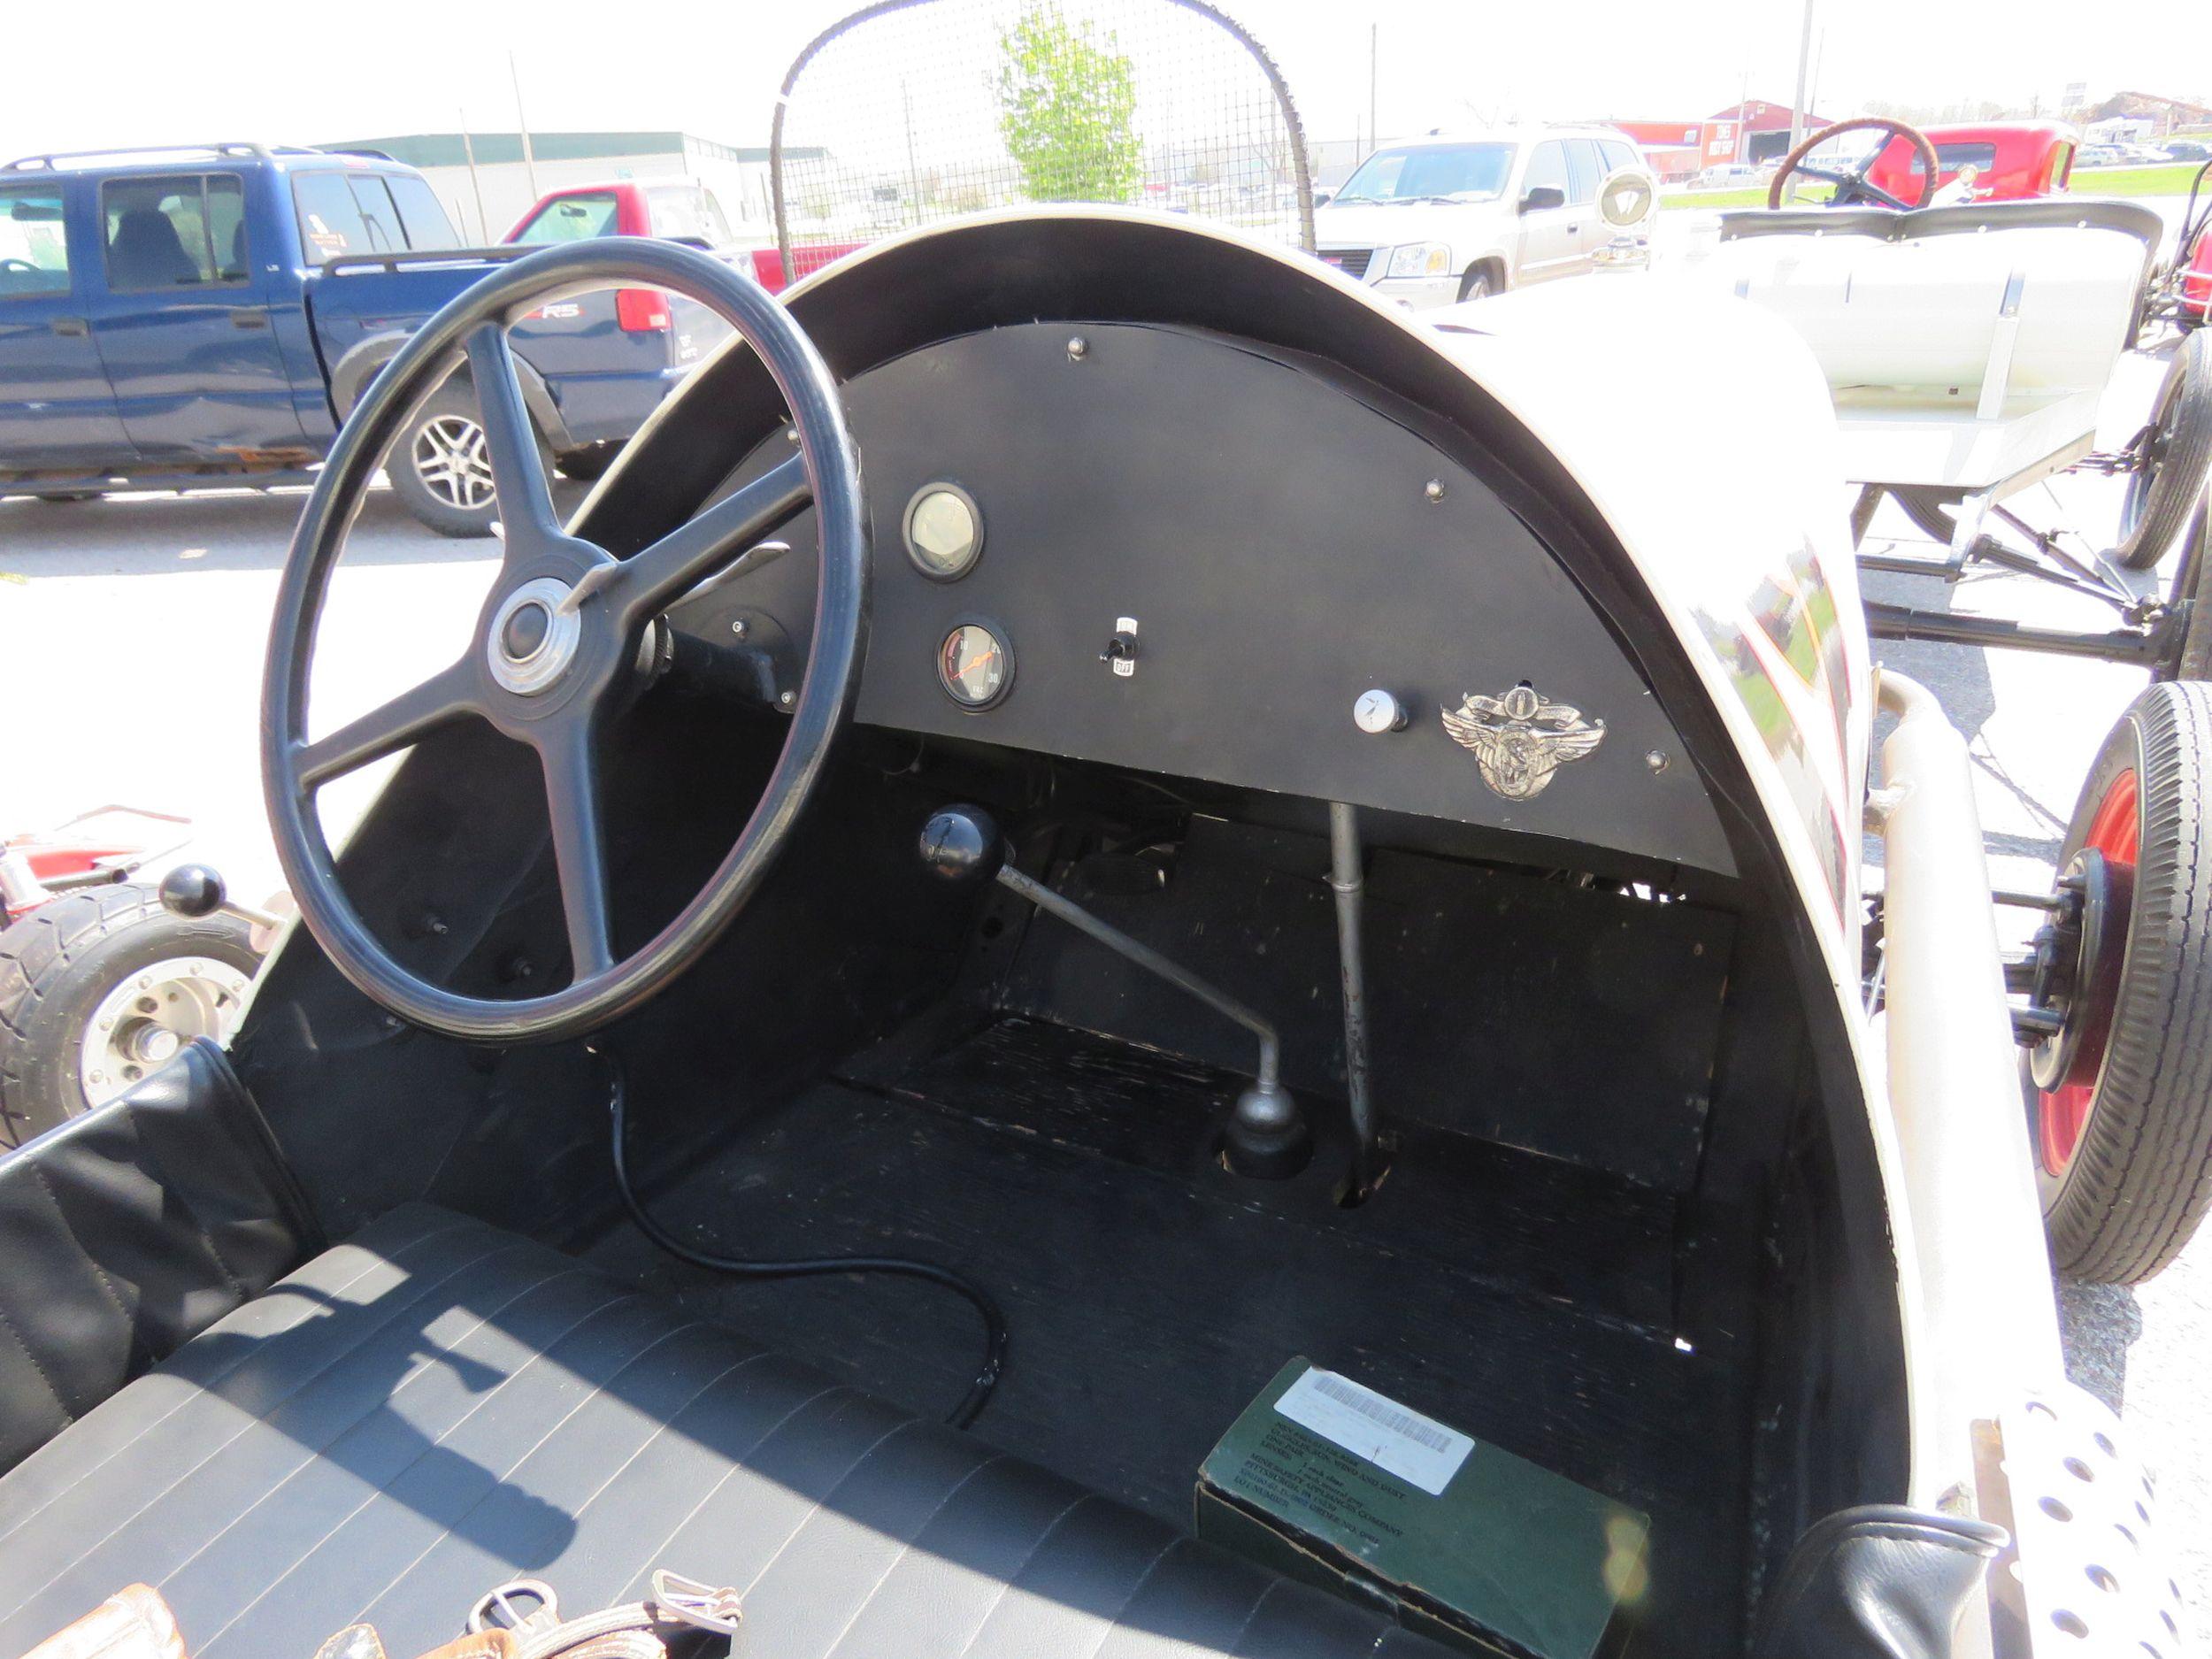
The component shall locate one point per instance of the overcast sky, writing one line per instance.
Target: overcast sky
(119, 72)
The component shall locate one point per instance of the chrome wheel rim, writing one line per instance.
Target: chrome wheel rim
(151, 1015)
(453, 463)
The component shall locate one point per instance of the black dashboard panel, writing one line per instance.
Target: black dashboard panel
(1283, 545)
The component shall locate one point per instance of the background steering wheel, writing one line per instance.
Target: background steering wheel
(1852, 185)
(557, 646)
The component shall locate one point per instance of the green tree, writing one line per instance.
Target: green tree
(1067, 109)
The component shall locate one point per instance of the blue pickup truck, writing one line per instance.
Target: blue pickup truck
(206, 316)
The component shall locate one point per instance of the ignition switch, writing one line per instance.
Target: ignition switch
(1121, 651)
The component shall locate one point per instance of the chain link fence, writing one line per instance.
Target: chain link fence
(913, 111)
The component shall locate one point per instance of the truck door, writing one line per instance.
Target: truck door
(56, 409)
(1586, 171)
(1549, 237)
(183, 322)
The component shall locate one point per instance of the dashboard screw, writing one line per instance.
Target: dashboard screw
(737, 626)
(1656, 759)
(785, 699)
(1078, 348)
(1433, 489)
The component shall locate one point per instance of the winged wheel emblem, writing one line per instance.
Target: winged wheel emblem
(1519, 738)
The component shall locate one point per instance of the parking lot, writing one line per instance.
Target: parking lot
(135, 627)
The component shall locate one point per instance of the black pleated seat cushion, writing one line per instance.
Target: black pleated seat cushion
(436, 1406)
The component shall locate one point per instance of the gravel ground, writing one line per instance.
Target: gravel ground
(135, 627)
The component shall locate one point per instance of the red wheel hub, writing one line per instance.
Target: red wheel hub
(2062, 1113)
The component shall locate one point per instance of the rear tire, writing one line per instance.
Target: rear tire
(439, 467)
(2162, 498)
(2136, 1176)
(62, 961)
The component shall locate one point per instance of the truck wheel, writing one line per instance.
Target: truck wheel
(100, 987)
(2165, 491)
(441, 470)
(2121, 1119)
(1478, 284)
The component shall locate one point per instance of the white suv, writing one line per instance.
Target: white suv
(1432, 221)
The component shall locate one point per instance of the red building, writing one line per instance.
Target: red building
(1682, 150)
(1766, 127)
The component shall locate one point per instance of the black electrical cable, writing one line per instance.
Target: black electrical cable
(987, 1377)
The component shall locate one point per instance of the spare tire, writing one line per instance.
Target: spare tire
(2166, 492)
(2124, 1142)
(108, 953)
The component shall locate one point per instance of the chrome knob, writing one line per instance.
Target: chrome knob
(1378, 712)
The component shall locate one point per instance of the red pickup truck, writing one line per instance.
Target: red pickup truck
(682, 209)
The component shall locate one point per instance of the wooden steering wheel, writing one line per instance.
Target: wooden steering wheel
(1853, 187)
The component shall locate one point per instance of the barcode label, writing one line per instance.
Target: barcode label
(1413, 1447)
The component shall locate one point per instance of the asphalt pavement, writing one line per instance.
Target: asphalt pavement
(132, 630)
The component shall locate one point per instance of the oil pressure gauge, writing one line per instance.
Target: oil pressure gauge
(975, 666)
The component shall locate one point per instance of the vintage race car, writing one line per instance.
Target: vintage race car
(1087, 765)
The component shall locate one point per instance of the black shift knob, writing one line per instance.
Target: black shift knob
(960, 843)
(193, 890)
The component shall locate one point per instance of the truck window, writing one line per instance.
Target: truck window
(330, 220)
(161, 232)
(571, 219)
(34, 253)
(685, 210)
(1618, 153)
(422, 217)
(227, 226)
(378, 214)
(1547, 165)
(1585, 169)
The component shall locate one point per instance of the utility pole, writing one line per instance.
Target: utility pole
(1374, 37)
(1804, 69)
(1743, 121)
(913, 172)
(530, 162)
(468, 149)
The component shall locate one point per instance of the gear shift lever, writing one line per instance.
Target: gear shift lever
(1267, 1137)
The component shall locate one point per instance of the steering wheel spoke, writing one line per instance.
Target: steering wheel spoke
(446, 696)
(568, 751)
(646, 583)
(511, 438)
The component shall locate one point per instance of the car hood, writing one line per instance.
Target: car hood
(1381, 226)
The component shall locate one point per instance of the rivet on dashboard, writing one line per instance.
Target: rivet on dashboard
(737, 626)
(1656, 759)
(1433, 489)
(1078, 348)
(785, 699)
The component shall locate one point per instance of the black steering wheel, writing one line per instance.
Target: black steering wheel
(1853, 187)
(559, 644)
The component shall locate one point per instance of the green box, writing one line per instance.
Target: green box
(1326, 1481)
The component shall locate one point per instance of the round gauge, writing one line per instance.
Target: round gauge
(944, 532)
(974, 665)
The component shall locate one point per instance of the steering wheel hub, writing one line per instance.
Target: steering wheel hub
(532, 640)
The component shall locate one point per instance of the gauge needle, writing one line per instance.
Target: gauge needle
(974, 662)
